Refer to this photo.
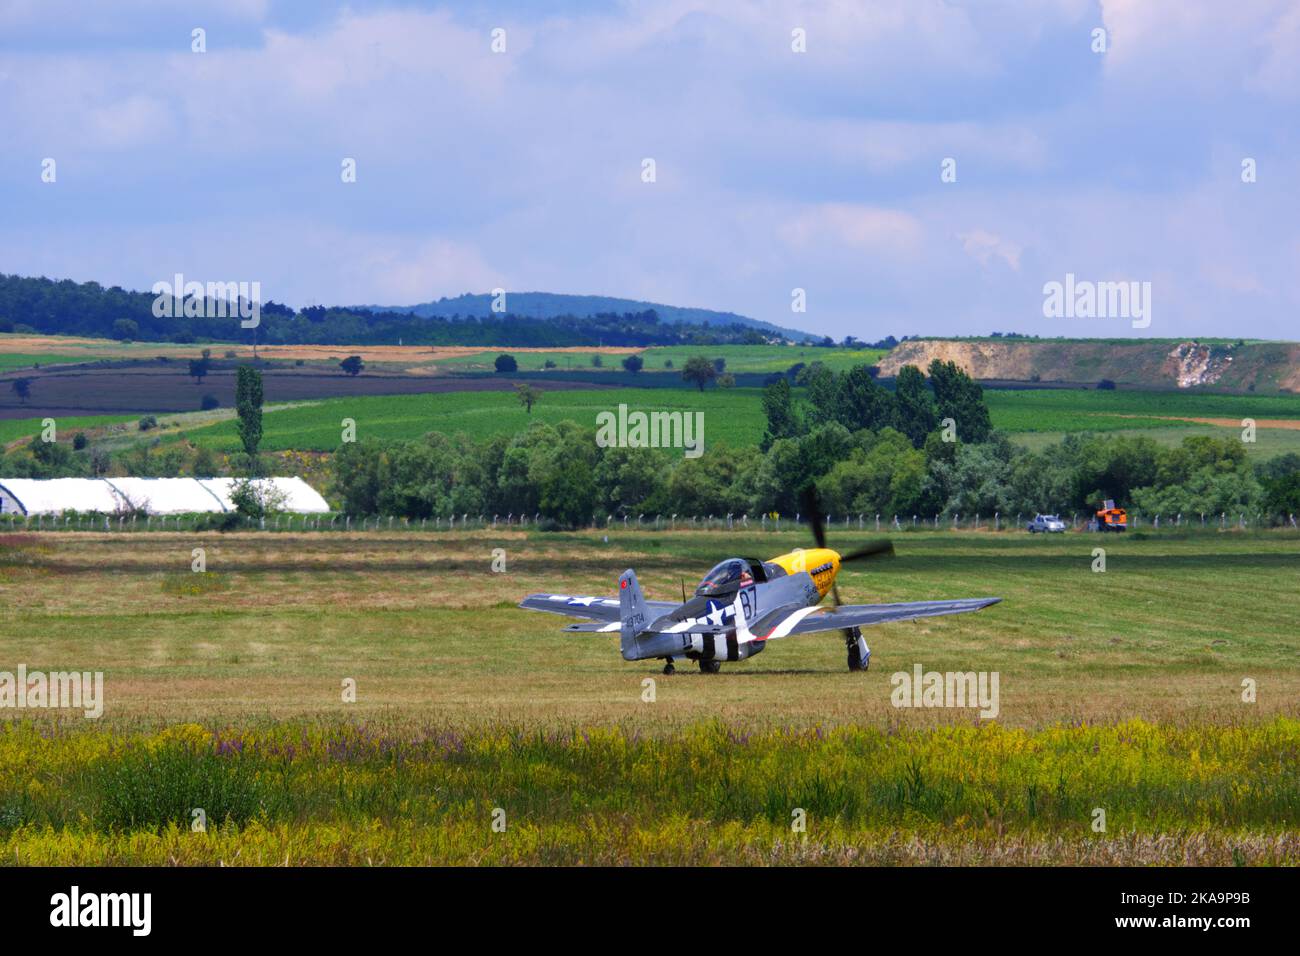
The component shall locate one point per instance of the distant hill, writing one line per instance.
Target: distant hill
(533, 319)
(1220, 364)
(546, 305)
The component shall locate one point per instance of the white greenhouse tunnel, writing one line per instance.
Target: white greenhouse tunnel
(158, 496)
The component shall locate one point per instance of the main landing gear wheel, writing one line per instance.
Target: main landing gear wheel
(710, 667)
(859, 653)
(668, 668)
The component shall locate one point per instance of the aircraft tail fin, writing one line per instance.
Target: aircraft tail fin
(634, 616)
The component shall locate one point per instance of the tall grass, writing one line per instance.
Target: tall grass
(346, 793)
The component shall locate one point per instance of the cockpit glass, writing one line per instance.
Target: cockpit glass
(729, 576)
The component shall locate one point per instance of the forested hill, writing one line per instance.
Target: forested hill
(543, 305)
(89, 309)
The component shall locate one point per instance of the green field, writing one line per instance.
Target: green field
(1269, 442)
(732, 416)
(530, 361)
(1060, 410)
(1121, 689)
(10, 361)
(423, 621)
(762, 358)
(12, 429)
(739, 358)
(729, 416)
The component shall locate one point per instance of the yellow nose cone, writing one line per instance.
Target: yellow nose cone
(822, 564)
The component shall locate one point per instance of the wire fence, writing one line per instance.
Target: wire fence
(875, 523)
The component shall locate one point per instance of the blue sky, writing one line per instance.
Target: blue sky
(775, 170)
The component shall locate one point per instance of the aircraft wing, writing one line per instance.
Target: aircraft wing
(586, 606)
(807, 620)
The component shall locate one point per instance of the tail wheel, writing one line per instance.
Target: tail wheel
(710, 667)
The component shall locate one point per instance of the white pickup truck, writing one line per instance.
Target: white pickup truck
(1046, 524)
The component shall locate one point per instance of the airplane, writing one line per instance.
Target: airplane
(741, 604)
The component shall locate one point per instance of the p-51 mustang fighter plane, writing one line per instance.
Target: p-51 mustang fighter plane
(742, 604)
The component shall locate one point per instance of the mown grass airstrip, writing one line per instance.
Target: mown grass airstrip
(1121, 690)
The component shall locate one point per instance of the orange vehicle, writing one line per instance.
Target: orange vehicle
(1110, 518)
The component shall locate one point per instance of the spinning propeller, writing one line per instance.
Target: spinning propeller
(879, 548)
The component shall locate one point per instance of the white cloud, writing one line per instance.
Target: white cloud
(1173, 46)
(863, 228)
(401, 272)
(129, 122)
(775, 169)
(984, 247)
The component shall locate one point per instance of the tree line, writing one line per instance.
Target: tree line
(925, 449)
(41, 305)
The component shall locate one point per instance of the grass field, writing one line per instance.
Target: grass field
(344, 794)
(762, 358)
(729, 416)
(739, 358)
(1062, 410)
(735, 416)
(9, 361)
(1269, 442)
(732, 416)
(1121, 689)
(24, 350)
(1166, 633)
(12, 429)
